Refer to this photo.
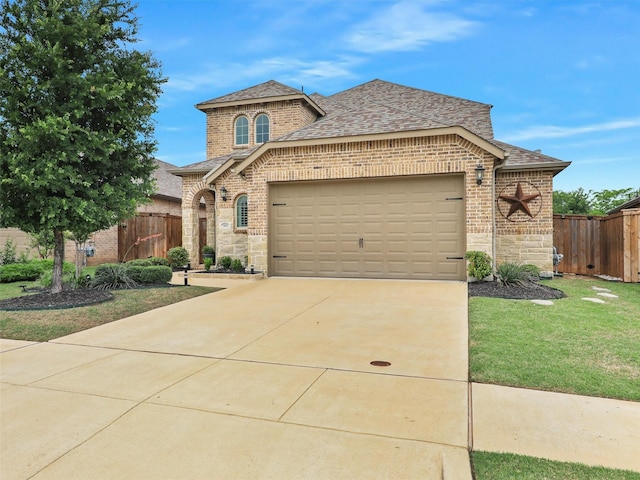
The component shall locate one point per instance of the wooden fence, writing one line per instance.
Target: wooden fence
(145, 225)
(594, 245)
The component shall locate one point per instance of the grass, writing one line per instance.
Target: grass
(507, 466)
(574, 346)
(44, 325)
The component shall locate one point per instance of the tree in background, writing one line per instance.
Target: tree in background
(76, 100)
(591, 203)
(575, 202)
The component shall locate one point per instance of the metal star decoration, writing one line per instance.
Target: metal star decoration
(519, 201)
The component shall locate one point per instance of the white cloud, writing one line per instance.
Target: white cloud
(406, 26)
(551, 131)
(281, 68)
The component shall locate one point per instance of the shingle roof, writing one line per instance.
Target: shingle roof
(520, 157)
(264, 90)
(167, 185)
(212, 163)
(443, 109)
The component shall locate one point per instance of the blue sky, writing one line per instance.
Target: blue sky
(563, 75)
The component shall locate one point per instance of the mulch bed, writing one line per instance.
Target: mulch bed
(529, 291)
(64, 299)
(83, 297)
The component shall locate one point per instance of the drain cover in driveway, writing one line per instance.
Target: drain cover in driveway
(380, 363)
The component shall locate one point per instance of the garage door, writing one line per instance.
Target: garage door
(409, 228)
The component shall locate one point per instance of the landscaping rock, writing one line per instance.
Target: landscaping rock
(608, 295)
(594, 300)
(600, 289)
(542, 302)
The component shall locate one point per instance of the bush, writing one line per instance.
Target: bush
(207, 263)
(8, 253)
(532, 270)
(159, 261)
(156, 274)
(110, 276)
(22, 272)
(236, 265)
(479, 264)
(208, 249)
(178, 257)
(225, 262)
(141, 262)
(512, 274)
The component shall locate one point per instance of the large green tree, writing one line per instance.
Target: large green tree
(76, 133)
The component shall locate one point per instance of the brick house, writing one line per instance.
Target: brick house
(378, 181)
(166, 202)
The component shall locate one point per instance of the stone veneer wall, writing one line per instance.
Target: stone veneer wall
(522, 239)
(285, 117)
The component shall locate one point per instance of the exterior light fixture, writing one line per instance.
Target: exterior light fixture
(223, 194)
(479, 174)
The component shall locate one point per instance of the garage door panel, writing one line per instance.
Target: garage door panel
(379, 228)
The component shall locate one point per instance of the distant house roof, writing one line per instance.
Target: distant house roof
(633, 203)
(168, 185)
(377, 108)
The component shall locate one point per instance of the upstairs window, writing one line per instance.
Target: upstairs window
(242, 131)
(262, 128)
(242, 212)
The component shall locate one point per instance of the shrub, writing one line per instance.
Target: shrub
(8, 253)
(178, 257)
(159, 261)
(156, 274)
(19, 272)
(236, 265)
(479, 264)
(532, 270)
(207, 263)
(207, 249)
(32, 270)
(225, 262)
(512, 274)
(141, 262)
(68, 279)
(111, 276)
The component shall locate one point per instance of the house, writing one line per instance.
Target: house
(377, 181)
(111, 244)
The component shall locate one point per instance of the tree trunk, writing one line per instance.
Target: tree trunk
(58, 259)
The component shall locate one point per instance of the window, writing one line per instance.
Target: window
(242, 212)
(262, 128)
(242, 131)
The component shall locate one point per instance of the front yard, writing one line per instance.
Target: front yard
(573, 346)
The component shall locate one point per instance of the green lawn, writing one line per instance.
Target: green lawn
(44, 325)
(506, 466)
(573, 346)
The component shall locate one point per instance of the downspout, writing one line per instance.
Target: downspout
(494, 207)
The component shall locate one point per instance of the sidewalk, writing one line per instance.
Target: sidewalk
(556, 426)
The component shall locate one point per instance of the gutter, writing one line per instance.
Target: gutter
(494, 207)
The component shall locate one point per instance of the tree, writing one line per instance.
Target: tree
(76, 100)
(606, 200)
(574, 202)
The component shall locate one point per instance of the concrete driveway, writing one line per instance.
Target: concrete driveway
(269, 379)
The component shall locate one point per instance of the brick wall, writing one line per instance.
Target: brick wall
(284, 116)
(382, 158)
(520, 238)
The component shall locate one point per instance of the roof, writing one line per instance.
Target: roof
(378, 107)
(270, 91)
(633, 203)
(168, 185)
(521, 159)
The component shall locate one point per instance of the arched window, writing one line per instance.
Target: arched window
(242, 131)
(262, 128)
(242, 212)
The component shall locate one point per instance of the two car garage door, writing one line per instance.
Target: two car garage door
(412, 228)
